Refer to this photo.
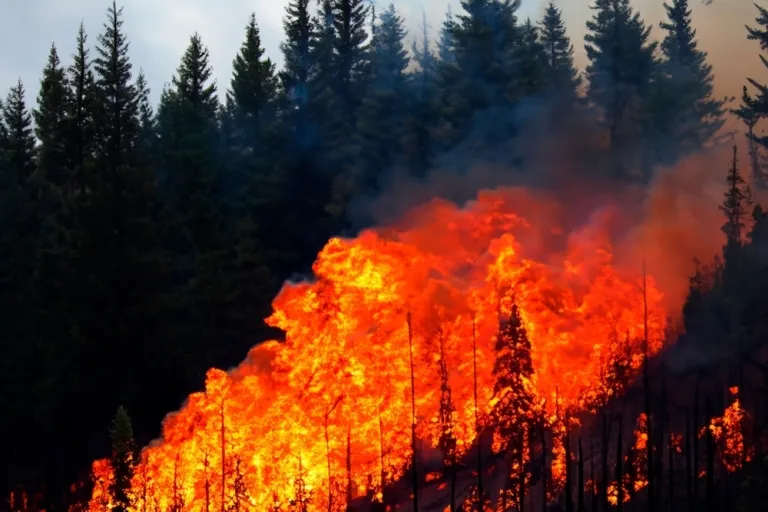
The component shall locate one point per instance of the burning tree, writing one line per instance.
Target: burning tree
(513, 399)
(123, 461)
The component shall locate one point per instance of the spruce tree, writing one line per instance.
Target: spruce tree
(421, 116)
(529, 57)
(620, 71)
(562, 78)
(381, 121)
(298, 67)
(51, 123)
(735, 206)
(693, 117)
(512, 369)
(350, 64)
(123, 461)
(754, 108)
(117, 96)
(81, 112)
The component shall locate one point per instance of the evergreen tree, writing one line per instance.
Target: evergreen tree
(512, 370)
(422, 112)
(350, 64)
(381, 121)
(692, 118)
(529, 58)
(117, 96)
(51, 123)
(755, 108)
(123, 461)
(561, 76)
(735, 207)
(299, 66)
(620, 71)
(147, 139)
(445, 43)
(81, 113)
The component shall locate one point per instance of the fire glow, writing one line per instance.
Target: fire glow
(326, 415)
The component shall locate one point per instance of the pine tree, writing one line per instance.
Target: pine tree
(381, 121)
(735, 207)
(512, 370)
(299, 66)
(118, 98)
(422, 114)
(529, 57)
(620, 71)
(693, 117)
(350, 64)
(147, 140)
(51, 123)
(755, 108)
(81, 112)
(445, 43)
(123, 461)
(561, 76)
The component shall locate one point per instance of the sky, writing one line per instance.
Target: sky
(159, 30)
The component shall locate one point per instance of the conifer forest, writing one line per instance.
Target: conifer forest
(398, 272)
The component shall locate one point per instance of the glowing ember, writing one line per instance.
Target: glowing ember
(728, 433)
(326, 416)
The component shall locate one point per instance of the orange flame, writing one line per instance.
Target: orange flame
(728, 433)
(327, 414)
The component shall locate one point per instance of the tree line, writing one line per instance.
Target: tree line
(141, 244)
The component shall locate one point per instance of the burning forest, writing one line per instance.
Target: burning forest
(420, 336)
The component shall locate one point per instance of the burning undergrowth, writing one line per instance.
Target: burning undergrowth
(429, 300)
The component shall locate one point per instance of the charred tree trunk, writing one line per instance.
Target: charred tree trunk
(544, 469)
(414, 473)
(688, 462)
(381, 456)
(695, 439)
(478, 433)
(647, 394)
(581, 505)
(710, 448)
(568, 472)
(207, 482)
(593, 475)
(521, 476)
(223, 458)
(349, 468)
(619, 468)
(604, 455)
(671, 471)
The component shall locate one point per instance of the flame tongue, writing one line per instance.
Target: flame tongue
(330, 408)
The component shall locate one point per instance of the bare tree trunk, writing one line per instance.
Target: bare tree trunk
(381, 455)
(604, 454)
(568, 472)
(582, 506)
(688, 461)
(223, 458)
(619, 468)
(710, 447)
(544, 469)
(207, 483)
(695, 438)
(478, 434)
(349, 467)
(415, 476)
(647, 393)
(593, 475)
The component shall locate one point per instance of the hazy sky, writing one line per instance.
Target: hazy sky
(159, 31)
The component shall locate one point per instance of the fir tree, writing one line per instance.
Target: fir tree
(81, 112)
(529, 58)
(123, 461)
(20, 142)
(350, 63)
(755, 108)
(298, 67)
(381, 120)
(561, 76)
(693, 118)
(118, 98)
(512, 370)
(51, 123)
(147, 139)
(445, 43)
(620, 71)
(735, 206)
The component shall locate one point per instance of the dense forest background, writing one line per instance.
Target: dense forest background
(142, 244)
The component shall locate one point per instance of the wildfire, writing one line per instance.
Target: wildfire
(728, 433)
(326, 416)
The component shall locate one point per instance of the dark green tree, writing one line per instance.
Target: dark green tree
(81, 113)
(620, 75)
(529, 57)
(693, 117)
(561, 76)
(382, 117)
(51, 123)
(123, 461)
(735, 206)
(754, 108)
